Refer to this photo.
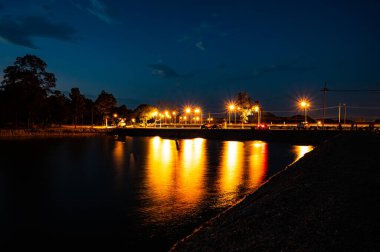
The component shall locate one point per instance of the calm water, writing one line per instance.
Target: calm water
(139, 192)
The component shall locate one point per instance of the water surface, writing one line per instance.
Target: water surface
(130, 192)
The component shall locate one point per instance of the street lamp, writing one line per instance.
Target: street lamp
(304, 104)
(198, 111)
(115, 119)
(231, 108)
(154, 115)
(257, 109)
(174, 116)
(188, 111)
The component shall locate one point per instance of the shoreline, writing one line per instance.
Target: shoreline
(323, 202)
(51, 132)
(296, 137)
(301, 137)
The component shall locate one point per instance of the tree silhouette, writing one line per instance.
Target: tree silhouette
(26, 86)
(77, 105)
(104, 104)
(144, 112)
(89, 111)
(58, 107)
(245, 104)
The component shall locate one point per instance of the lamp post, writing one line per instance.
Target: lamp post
(231, 108)
(304, 104)
(154, 115)
(256, 108)
(345, 113)
(198, 111)
(115, 119)
(188, 111)
(174, 116)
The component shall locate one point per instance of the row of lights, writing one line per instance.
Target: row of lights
(232, 107)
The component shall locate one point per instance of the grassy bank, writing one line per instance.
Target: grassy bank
(327, 201)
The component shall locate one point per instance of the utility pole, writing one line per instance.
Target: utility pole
(339, 113)
(324, 104)
(345, 113)
(325, 90)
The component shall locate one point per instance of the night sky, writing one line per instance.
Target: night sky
(201, 51)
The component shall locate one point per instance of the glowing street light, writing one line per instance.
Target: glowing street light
(231, 107)
(198, 111)
(188, 112)
(304, 104)
(257, 109)
(154, 115)
(174, 116)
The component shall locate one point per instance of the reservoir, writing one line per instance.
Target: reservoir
(125, 192)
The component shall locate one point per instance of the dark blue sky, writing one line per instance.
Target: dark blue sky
(201, 51)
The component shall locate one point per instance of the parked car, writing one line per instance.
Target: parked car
(211, 126)
(261, 126)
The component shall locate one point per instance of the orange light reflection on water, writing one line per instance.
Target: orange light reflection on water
(258, 163)
(119, 160)
(191, 171)
(300, 151)
(231, 169)
(160, 168)
(175, 177)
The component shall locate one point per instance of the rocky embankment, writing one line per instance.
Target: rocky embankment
(327, 201)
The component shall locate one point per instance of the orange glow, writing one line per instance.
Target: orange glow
(197, 110)
(188, 110)
(191, 175)
(256, 108)
(304, 103)
(258, 163)
(231, 107)
(301, 150)
(119, 160)
(231, 169)
(160, 173)
(175, 176)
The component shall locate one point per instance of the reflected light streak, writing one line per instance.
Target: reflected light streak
(159, 168)
(300, 151)
(191, 171)
(175, 179)
(119, 160)
(231, 168)
(258, 163)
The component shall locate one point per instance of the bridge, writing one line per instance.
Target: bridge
(301, 137)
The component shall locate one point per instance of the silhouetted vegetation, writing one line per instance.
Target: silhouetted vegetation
(28, 99)
(25, 89)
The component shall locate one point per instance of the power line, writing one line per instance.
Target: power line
(350, 90)
(325, 90)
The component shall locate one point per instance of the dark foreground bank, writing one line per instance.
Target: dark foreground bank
(327, 201)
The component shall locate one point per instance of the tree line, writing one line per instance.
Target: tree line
(28, 98)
